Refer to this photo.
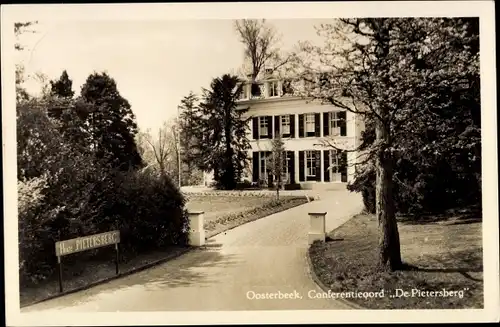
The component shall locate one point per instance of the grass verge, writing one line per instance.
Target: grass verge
(81, 276)
(444, 255)
(271, 206)
(215, 206)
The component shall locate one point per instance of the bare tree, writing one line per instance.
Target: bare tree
(355, 71)
(160, 151)
(395, 73)
(261, 47)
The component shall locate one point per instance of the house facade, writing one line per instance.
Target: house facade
(303, 125)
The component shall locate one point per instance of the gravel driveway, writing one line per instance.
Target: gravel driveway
(258, 259)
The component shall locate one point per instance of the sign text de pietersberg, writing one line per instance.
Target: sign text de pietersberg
(87, 243)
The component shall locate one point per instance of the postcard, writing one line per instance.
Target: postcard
(250, 163)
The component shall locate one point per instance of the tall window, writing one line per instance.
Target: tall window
(273, 89)
(334, 123)
(334, 161)
(263, 168)
(336, 166)
(285, 124)
(286, 163)
(309, 123)
(310, 163)
(263, 126)
(286, 172)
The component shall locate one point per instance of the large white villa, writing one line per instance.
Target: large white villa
(303, 124)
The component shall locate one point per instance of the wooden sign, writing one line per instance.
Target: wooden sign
(87, 243)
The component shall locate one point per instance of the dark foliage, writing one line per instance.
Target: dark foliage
(62, 87)
(112, 122)
(220, 132)
(292, 187)
(67, 191)
(437, 142)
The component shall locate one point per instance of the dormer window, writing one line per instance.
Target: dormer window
(286, 87)
(267, 88)
(323, 80)
(273, 89)
(243, 94)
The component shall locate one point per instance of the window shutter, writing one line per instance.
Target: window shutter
(317, 125)
(343, 125)
(255, 166)
(292, 126)
(326, 164)
(301, 167)
(301, 125)
(277, 125)
(317, 158)
(269, 127)
(343, 165)
(326, 124)
(255, 127)
(291, 165)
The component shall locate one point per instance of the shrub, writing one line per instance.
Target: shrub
(246, 185)
(419, 192)
(66, 192)
(32, 231)
(292, 187)
(364, 183)
(149, 211)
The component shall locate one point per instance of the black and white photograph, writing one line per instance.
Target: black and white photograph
(250, 163)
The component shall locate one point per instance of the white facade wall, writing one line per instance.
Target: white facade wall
(296, 106)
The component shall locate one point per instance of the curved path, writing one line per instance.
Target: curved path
(264, 256)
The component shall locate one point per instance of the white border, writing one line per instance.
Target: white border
(56, 12)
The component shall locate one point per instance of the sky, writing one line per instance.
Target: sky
(154, 63)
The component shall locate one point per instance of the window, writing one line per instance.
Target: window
(334, 161)
(286, 172)
(257, 89)
(323, 80)
(273, 89)
(309, 82)
(243, 94)
(286, 163)
(310, 163)
(263, 168)
(285, 124)
(309, 123)
(286, 87)
(334, 124)
(263, 126)
(337, 168)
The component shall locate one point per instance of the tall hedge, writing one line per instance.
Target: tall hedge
(65, 192)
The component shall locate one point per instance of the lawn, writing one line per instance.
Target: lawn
(445, 254)
(222, 212)
(217, 206)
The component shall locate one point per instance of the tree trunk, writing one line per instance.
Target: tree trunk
(389, 246)
(278, 185)
(229, 171)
